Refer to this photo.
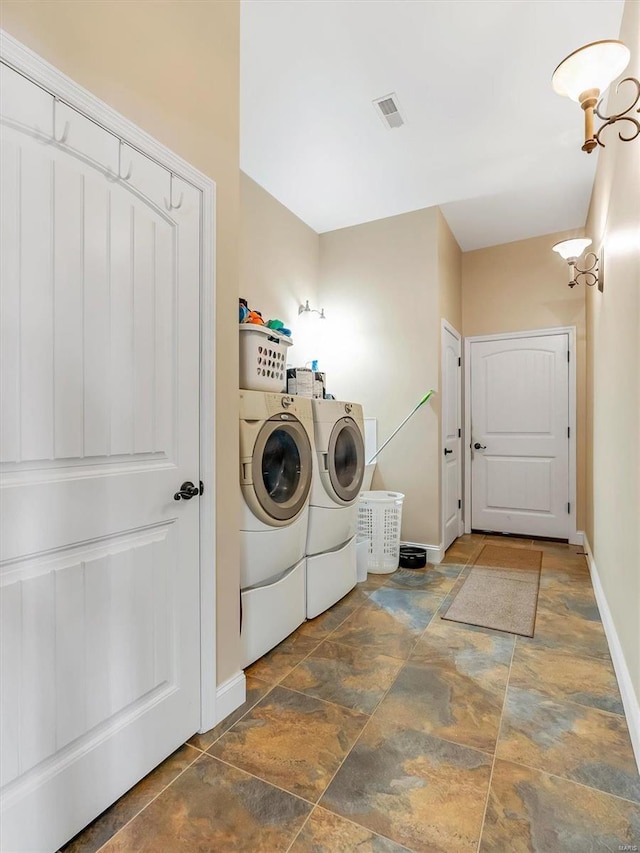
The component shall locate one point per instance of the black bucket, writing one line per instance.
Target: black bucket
(412, 557)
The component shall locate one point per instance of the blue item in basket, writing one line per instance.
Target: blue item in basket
(278, 326)
(242, 314)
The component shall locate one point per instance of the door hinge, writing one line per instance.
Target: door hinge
(459, 362)
(201, 487)
(568, 355)
(568, 507)
(459, 433)
(568, 432)
(459, 504)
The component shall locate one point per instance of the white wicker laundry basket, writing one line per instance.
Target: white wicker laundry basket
(380, 519)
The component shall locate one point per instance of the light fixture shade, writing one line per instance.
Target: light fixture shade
(571, 248)
(593, 66)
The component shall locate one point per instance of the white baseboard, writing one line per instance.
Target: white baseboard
(577, 538)
(435, 553)
(630, 700)
(230, 695)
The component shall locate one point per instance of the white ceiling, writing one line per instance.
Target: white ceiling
(486, 137)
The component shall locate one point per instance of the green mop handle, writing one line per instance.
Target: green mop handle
(395, 432)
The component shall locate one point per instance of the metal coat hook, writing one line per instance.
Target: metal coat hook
(119, 176)
(129, 170)
(65, 131)
(169, 204)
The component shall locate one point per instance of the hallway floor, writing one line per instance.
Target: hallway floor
(380, 727)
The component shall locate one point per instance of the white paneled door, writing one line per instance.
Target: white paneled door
(520, 435)
(451, 436)
(99, 377)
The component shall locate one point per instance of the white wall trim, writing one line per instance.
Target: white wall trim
(40, 72)
(446, 326)
(435, 553)
(570, 331)
(578, 538)
(230, 695)
(630, 700)
(208, 516)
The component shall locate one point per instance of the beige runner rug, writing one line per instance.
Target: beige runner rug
(500, 592)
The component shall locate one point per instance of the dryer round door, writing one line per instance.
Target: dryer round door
(345, 459)
(282, 467)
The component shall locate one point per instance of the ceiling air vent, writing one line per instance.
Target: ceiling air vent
(389, 111)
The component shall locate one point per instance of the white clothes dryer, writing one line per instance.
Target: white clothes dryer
(338, 470)
(276, 470)
(276, 464)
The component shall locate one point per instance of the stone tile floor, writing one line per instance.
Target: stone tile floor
(380, 727)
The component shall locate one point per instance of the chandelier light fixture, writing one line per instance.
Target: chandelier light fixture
(571, 250)
(585, 75)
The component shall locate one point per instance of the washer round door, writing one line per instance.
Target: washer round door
(345, 459)
(281, 467)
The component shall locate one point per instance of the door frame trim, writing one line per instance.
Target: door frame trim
(446, 326)
(42, 73)
(574, 537)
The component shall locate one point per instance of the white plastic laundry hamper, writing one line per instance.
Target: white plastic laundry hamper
(379, 519)
(263, 358)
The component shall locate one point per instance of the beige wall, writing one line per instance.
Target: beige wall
(449, 275)
(379, 287)
(172, 68)
(613, 373)
(520, 286)
(279, 263)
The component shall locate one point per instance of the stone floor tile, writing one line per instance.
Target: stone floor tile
(279, 662)
(532, 812)
(214, 807)
(297, 742)
(561, 674)
(325, 832)
(581, 744)
(422, 792)
(348, 675)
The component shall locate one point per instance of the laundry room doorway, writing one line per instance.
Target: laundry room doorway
(520, 434)
(106, 378)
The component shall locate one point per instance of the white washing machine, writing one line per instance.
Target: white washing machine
(338, 469)
(276, 472)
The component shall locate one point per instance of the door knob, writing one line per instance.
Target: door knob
(479, 446)
(447, 451)
(187, 491)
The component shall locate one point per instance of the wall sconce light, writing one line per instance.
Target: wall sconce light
(307, 311)
(571, 250)
(585, 75)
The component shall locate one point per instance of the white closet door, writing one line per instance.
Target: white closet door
(451, 438)
(99, 377)
(520, 441)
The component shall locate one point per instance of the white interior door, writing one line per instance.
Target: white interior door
(99, 375)
(451, 436)
(520, 435)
